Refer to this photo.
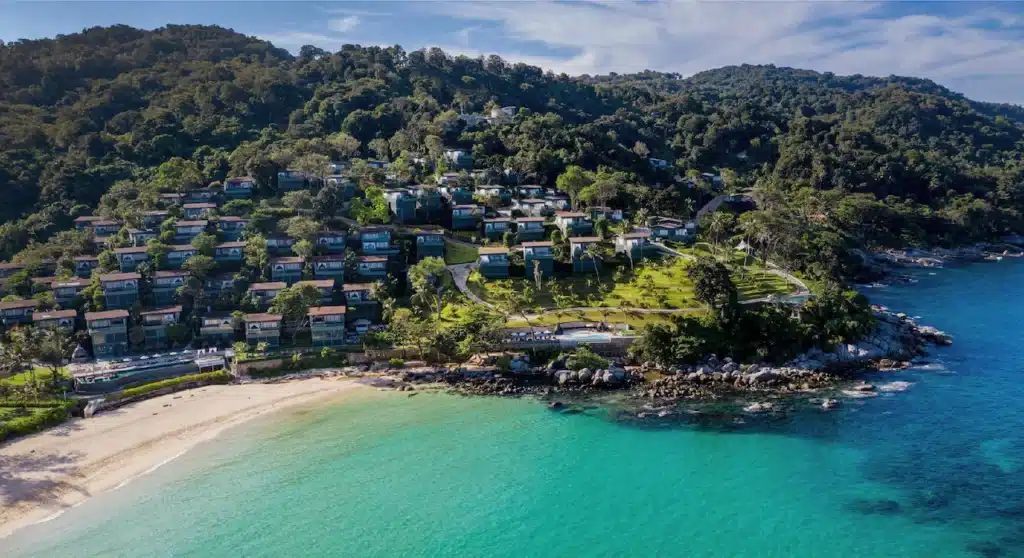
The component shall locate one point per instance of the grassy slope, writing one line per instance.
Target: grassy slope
(456, 253)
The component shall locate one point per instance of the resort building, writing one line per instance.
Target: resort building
(220, 284)
(429, 244)
(55, 319)
(573, 223)
(108, 332)
(403, 205)
(494, 191)
(327, 326)
(153, 219)
(495, 229)
(231, 253)
(139, 237)
(376, 241)
(347, 185)
(120, 290)
(456, 195)
(230, 228)
(14, 312)
(239, 187)
(85, 264)
(466, 217)
(171, 198)
(66, 292)
(186, 231)
(288, 270)
(195, 211)
(217, 328)
(263, 328)
(542, 252)
(360, 303)
(493, 262)
(325, 286)
(85, 222)
(7, 269)
(200, 195)
(428, 198)
(531, 207)
(674, 230)
(530, 229)
(531, 191)
(129, 259)
(372, 267)
(331, 242)
(448, 179)
(632, 244)
(556, 202)
(165, 286)
(582, 262)
(458, 158)
(290, 180)
(156, 322)
(265, 292)
(179, 254)
(279, 245)
(105, 228)
(331, 266)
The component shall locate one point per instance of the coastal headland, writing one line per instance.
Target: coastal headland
(44, 474)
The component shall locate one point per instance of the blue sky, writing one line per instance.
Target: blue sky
(976, 48)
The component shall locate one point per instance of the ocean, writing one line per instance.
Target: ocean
(936, 470)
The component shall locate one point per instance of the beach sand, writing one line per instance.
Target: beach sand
(43, 474)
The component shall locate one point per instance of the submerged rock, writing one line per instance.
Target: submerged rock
(761, 407)
(829, 404)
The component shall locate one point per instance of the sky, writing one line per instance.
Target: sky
(976, 48)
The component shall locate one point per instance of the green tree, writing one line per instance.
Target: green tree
(257, 256)
(293, 305)
(205, 244)
(199, 266)
(573, 181)
(429, 280)
(712, 285)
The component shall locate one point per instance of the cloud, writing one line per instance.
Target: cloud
(343, 25)
(977, 52)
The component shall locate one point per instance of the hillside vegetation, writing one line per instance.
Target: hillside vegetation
(109, 117)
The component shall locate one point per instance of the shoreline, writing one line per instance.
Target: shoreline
(44, 475)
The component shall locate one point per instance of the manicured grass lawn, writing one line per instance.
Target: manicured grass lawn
(456, 253)
(11, 413)
(612, 316)
(654, 284)
(43, 376)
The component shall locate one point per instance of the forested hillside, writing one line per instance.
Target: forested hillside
(904, 161)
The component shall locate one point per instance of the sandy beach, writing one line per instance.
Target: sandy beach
(41, 475)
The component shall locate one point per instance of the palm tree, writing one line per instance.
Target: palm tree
(718, 226)
(593, 251)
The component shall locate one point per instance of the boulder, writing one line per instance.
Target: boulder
(563, 377)
(718, 376)
(584, 375)
(864, 387)
(762, 377)
(761, 407)
(556, 405)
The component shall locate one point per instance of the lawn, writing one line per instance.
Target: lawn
(654, 284)
(43, 376)
(458, 253)
(635, 320)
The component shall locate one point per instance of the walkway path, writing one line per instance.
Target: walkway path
(460, 274)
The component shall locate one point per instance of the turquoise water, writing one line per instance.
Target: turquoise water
(935, 471)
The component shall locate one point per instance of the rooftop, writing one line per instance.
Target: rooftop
(158, 311)
(569, 214)
(262, 317)
(349, 287)
(318, 283)
(11, 304)
(200, 205)
(236, 244)
(119, 276)
(77, 259)
(286, 260)
(326, 310)
(271, 286)
(531, 201)
(233, 219)
(201, 223)
(109, 314)
(486, 250)
(131, 250)
(371, 259)
(53, 315)
(170, 273)
(584, 239)
(538, 244)
(636, 235)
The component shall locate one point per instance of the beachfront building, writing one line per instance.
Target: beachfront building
(55, 319)
(325, 286)
(493, 262)
(279, 245)
(402, 204)
(327, 325)
(360, 303)
(372, 267)
(179, 254)
(196, 211)
(529, 229)
(155, 324)
(573, 223)
(153, 219)
(288, 270)
(331, 242)
(239, 187)
(230, 228)
(120, 290)
(376, 241)
(265, 292)
(129, 259)
(66, 292)
(85, 264)
(165, 286)
(14, 312)
(466, 217)
(429, 244)
(495, 229)
(580, 247)
(216, 328)
(139, 237)
(530, 207)
(290, 180)
(186, 231)
(263, 328)
(542, 252)
(108, 332)
(229, 253)
(632, 244)
(331, 266)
